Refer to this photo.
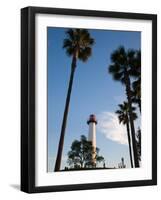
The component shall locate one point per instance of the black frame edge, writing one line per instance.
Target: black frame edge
(24, 100)
(154, 99)
(92, 13)
(27, 101)
(93, 186)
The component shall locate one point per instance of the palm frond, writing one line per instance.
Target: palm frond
(123, 113)
(119, 56)
(114, 68)
(117, 76)
(84, 54)
(67, 43)
(70, 51)
(70, 34)
(119, 112)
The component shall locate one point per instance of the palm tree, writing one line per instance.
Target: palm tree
(122, 68)
(78, 45)
(124, 119)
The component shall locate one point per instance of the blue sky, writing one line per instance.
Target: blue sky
(94, 92)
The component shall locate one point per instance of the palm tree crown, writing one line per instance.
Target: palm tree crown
(78, 43)
(123, 113)
(123, 62)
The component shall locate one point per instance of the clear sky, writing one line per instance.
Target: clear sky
(94, 92)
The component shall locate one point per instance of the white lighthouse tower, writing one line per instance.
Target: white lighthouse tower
(92, 134)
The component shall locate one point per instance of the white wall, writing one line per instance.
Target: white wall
(10, 97)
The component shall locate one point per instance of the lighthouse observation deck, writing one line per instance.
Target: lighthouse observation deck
(92, 119)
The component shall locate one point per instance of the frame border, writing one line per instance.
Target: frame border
(28, 98)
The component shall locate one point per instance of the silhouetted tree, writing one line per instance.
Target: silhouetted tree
(80, 155)
(123, 116)
(78, 45)
(122, 68)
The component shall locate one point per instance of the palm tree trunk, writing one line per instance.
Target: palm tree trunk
(64, 123)
(129, 141)
(128, 93)
(139, 105)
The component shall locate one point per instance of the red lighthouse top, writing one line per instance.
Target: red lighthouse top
(92, 118)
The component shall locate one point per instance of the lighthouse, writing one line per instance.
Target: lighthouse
(92, 122)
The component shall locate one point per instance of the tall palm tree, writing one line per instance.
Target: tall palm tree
(122, 68)
(78, 45)
(123, 117)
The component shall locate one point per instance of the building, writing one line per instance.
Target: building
(122, 164)
(92, 122)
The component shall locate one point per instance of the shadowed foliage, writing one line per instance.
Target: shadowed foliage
(136, 85)
(123, 66)
(80, 155)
